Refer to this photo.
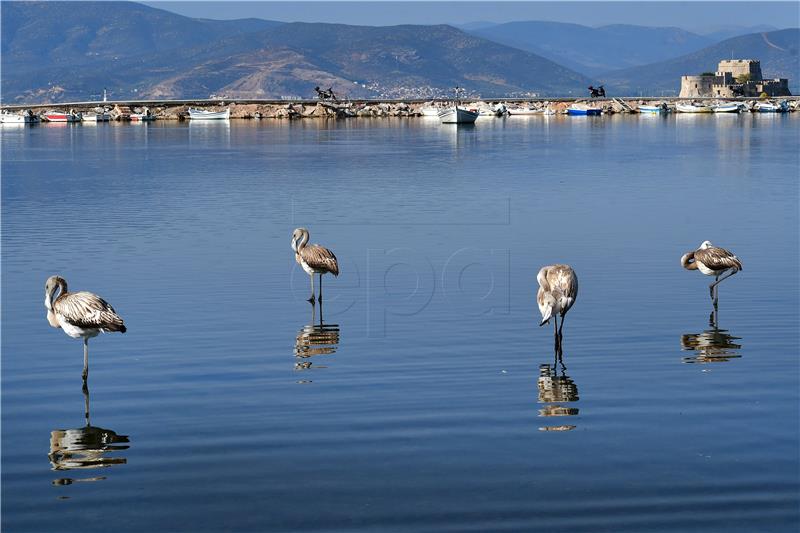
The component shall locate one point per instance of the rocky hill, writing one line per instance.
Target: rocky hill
(778, 51)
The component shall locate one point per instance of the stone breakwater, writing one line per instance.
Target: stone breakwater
(369, 109)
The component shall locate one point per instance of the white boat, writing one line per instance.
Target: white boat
(654, 109)
(430, 111)
(12, 118)
(96, 117)
(692, 108)
(458, 115)
(199, 114)
(729, 107)
(519, 110)
(769, 107)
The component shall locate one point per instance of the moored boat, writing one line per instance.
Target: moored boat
(728, 107)
(200, 114)
(457, 114)
(653, 109)
(769, 107)
(521, 110)
(576, 111)
(96, 117)
(60, 116)
(693, 108)
(13, 118)
(144, 116)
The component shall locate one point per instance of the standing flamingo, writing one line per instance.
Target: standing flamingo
(79, 314)
(712, 261)
(314, 259)
(558, 289)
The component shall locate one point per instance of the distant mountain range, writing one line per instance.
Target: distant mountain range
(595, 50)
(71, 50)
(778, 51)
(68, 51)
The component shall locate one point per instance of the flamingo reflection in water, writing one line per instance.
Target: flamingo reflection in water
(713, 345)
(314, 340)
(85, 448)
(555, 388)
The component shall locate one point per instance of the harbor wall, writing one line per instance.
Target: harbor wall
(300, 109)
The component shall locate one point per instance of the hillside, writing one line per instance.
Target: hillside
(594, 50)
(77, 33)
(137, 51)
(778, 52)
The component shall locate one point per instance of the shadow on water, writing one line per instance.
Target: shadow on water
(713, 345)
(84, 448)
(315, 340)
(555, 388)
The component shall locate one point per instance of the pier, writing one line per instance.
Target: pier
(315, 108)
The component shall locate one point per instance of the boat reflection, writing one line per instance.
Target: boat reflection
(315, 340)
(555, 388)
(88, 447)
(713, 345)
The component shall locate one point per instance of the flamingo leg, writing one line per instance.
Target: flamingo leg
(312, 299)
(85, 358)
(561, 328)
(320, 289)
(713, 286)
(555, 332)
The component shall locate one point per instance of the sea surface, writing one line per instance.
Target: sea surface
(429, 398)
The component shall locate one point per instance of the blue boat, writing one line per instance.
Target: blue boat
(580, 111)
(654, 109)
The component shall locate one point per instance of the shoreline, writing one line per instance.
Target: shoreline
(314, 108)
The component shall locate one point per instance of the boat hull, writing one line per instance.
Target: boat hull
(62, 117)
(727, 108)
(196, 114)
(691, 108)
(652, 109)
(457, 115)
(8, 118)
(583, 112)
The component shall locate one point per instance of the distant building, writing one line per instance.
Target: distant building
(734, 77)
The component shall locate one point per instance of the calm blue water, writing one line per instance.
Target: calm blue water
(429, 400)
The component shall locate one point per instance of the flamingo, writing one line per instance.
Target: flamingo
(314, 259)
(79, 314)
(558, 289)
(712, 261)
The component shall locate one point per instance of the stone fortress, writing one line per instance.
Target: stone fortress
(734, 77)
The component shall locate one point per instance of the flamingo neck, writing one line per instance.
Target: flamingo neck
(302, 242)
(688, 261)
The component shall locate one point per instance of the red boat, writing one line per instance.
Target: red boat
(59, 116)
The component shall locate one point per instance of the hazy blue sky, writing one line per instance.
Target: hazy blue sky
(690, 15)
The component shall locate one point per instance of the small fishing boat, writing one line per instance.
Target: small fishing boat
(653, 109)
(576, 111)
(60, 116)
(693, 108)
(96, 117)
(144, 116)
(456, 114)
(430, 111)
(520, 110)
(12, 118)
(769, 107)
(199, 114)
(728, 107)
